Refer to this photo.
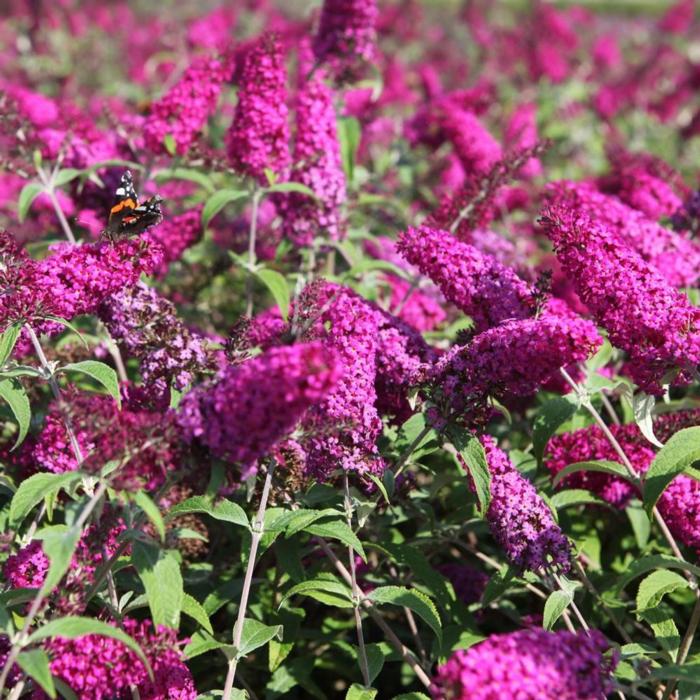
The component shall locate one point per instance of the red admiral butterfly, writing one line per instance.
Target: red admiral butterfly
(129, 218)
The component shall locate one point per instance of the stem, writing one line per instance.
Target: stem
(252, 234)
(56, 391)
(401, 463)
(609, 408)
(627, 464)
(406, 654)
(51, 192)
(115, 353)
(495, 565)
(412, 288)
(594, 592)
(573, 605)
(36, 603)
(362, 652)
(686, 643)
(257, 533)
(414, 633)
(17, 690)
(106, 567)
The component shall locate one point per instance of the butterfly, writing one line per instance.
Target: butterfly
(127, 217)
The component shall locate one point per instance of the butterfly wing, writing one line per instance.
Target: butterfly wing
(125, 203)
(127, 217)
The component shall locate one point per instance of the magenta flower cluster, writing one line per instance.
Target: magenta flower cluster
(146, 326)
(520, 521)
(679, 504)
(476, 283)
(92, 663)
(344, 427)
(318, 166)
(657, 325)
(182, 112)
(143, 441)
(672, 255)
(27, 568)
(530, 664)
(72, 280)
(512, 359)
(175, 234)
(473, 145)
(258, 139)
(346, 35)
(252, 406)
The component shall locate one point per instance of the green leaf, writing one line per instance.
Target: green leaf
(144, 502)
(329, 591)
(170, 144)
(575, 497)
(7, 342)
(337, 530)
(599, 465)
(411, 696)
(299, 519)
(655, 561)
(13, 393)
(409, 432)
(643, 407)
(59, 546)
(161, 577)
(474, 457)
(364, 266)
(557, 602)
(641, 525)
(75, 627)
(218, 201)
(192, 608)
(689, 673)
(550, 416)
(414, 600)
(375, 660)
(64, 176)
(662, 624)
(202, 642)
(379, 483)
(679, 453)
(291, 187)
(256, 635)
(224, 510)
(349, 134)
(101, 373)
(291, 619)
(655, 586)
(34, 489)
(67, 324)
(277, 285)
(188, 174)
(421, 570)
(359, 692)
(35, 663)
(26, 197)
